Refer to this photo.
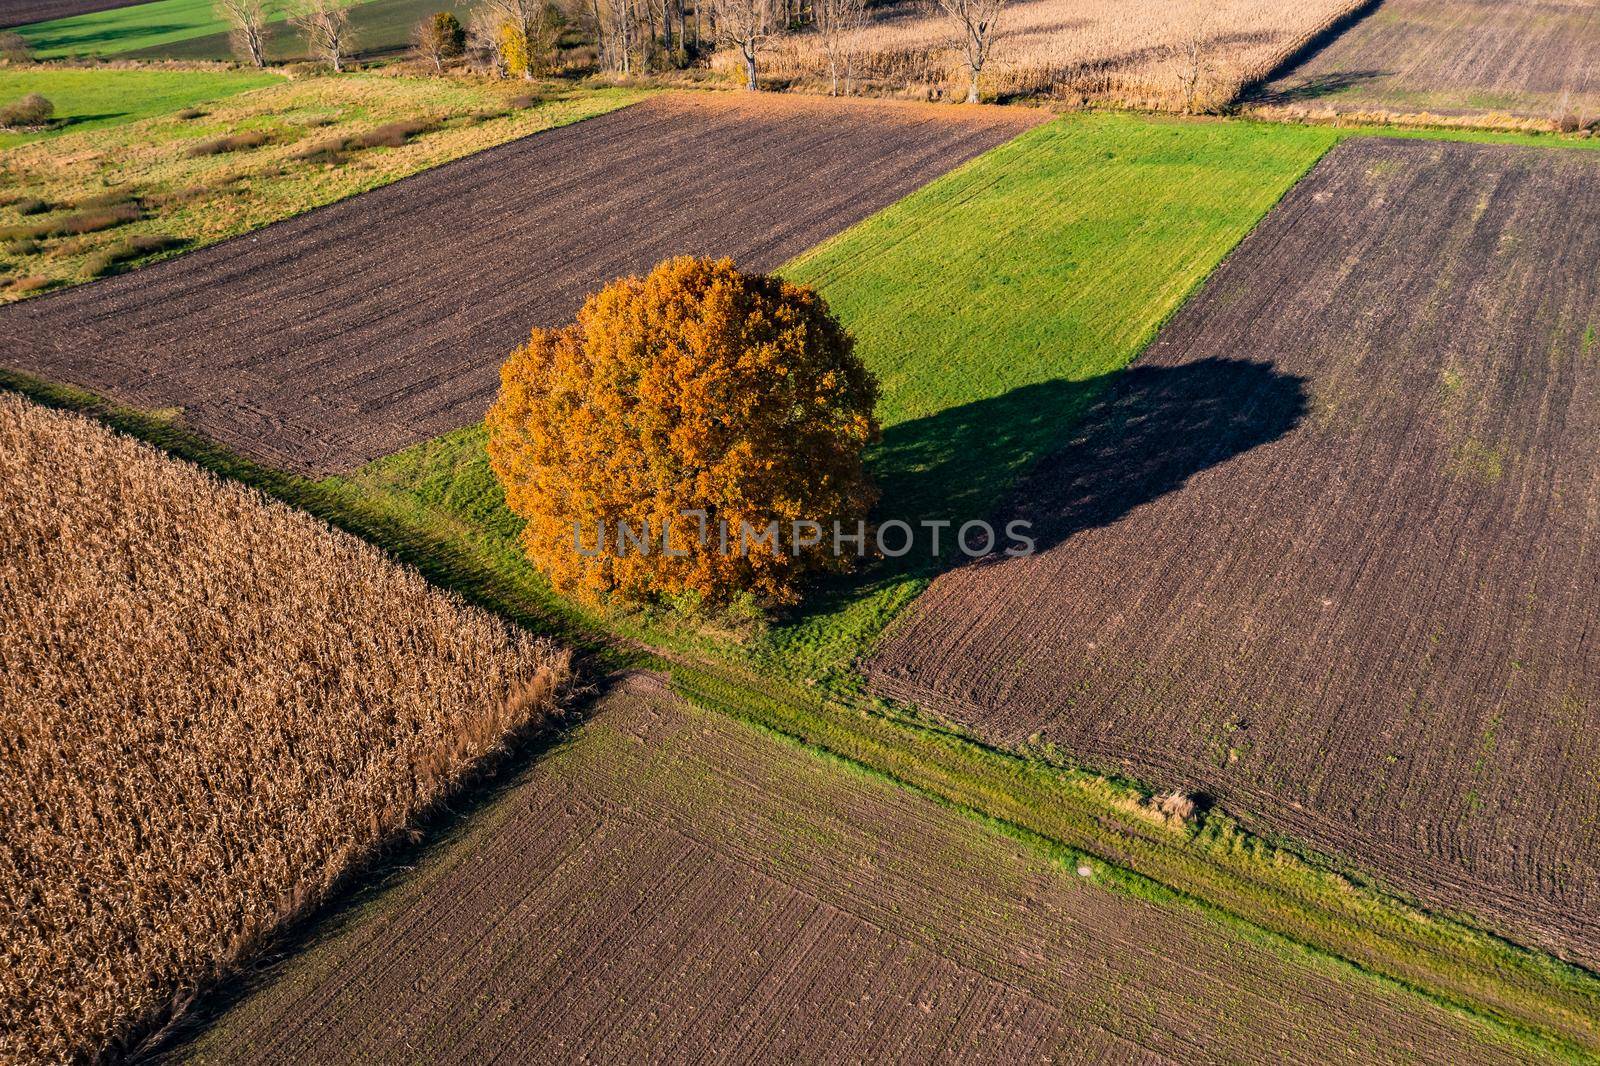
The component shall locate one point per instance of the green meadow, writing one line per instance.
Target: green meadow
(89, 99)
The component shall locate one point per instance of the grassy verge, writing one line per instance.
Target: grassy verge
(249, 160)
(93, 99)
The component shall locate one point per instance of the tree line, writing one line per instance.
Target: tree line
(523, 38)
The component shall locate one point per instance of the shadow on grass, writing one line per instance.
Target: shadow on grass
(97, 37)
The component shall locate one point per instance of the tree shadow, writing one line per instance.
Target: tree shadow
(1318, 87)
(1064, 456)
(1154, 429)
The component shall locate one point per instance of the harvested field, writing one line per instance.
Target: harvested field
(1327, 553)
(1171, 55)
(352, 331)
(676, 885)
(1497, 60)
(212, 708)
(24, 12)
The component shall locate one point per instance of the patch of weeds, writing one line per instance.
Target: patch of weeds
(1450, 382)
(72, 225)
(31, 283)
(31, 206)
(233, 142)
(1477, 461)
(189, 114)
(107, 260)
(1589, 343)
(333, 150)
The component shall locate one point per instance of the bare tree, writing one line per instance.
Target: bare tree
(1196, 60)
(976, 22)
(746, 24)
(326, 24)
(838, 23)
(247, 27)
(438, 37)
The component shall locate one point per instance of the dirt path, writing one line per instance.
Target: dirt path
(1537, 59)
(675, 885)
(352, 331)
(1329, 550)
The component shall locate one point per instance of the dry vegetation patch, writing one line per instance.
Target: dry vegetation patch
(212, 707)
(1132, 53)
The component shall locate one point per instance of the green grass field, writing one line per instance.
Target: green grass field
(90, 99)
(380, 28)
(190, 30)
(123, 29)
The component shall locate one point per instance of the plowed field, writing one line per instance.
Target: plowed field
(25, 12)
(1537, 59)
(676, 885)
(1329, 551)
(354, 330)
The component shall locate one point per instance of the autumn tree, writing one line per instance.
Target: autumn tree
(656, 445)
(746, 25)
(524, 33)
(975, 23)
(438, 37)
(326, 25)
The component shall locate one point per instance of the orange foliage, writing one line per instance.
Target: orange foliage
(695, 388)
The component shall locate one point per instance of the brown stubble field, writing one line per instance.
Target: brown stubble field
(1508, 61)
(352, 331)
(212, 707)
(1357, 604)
(1170, 55)
(674, 885)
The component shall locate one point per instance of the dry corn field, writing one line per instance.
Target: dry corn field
(1127, 53)
(211, 707)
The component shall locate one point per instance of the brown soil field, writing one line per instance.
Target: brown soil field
(675, 885)
(1497, 59)
(26, 12)
(212, 707)
(1327, 552)
(354, 330)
